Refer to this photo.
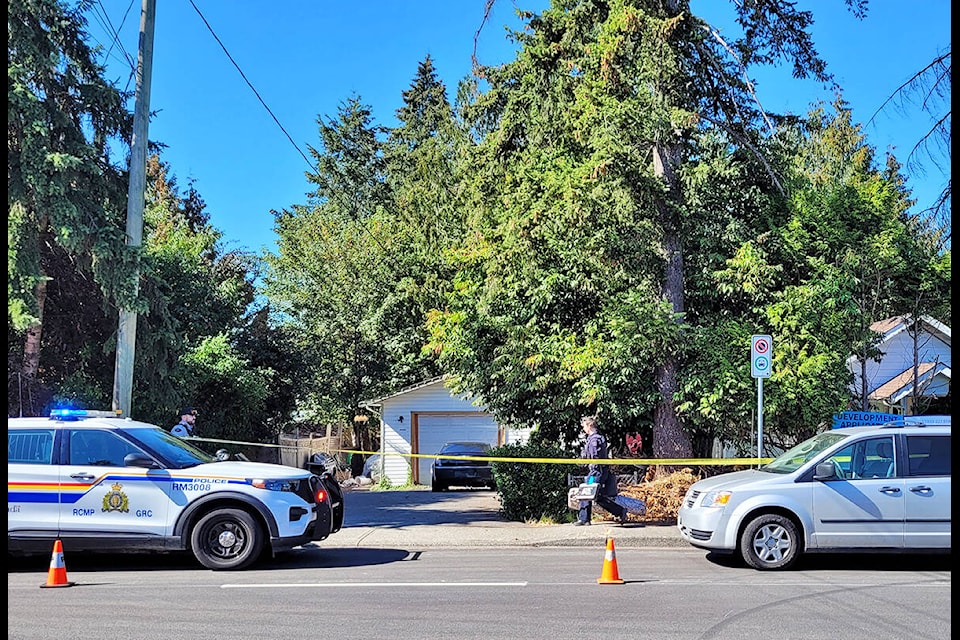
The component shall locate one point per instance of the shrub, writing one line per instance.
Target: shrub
(531, 490)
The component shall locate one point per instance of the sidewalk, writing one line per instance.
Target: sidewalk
(423, 519)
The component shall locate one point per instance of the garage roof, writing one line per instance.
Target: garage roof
(414, 387)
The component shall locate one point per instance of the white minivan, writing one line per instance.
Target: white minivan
(882, 488)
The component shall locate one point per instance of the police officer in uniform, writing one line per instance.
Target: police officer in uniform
(188, 418)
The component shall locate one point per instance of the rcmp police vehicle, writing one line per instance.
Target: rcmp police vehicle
(99, 482)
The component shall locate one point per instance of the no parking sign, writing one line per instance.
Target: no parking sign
(761, 356)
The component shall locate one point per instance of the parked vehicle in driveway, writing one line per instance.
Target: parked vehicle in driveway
(457, 465)
(98, 482)
(878, 488)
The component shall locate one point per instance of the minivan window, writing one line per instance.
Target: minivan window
(929, 455)
(794, 458)
(870, 458)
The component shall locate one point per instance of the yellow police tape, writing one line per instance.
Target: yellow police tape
(579, 461)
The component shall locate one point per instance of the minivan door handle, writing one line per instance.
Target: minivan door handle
(890, 490)
(921, 489)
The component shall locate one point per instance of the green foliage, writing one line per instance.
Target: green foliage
(230, 394)
(360, 267)
(64, 194)
(529, 490)
(326, 278)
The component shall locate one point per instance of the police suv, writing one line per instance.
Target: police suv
(99, 482)
(883, 488)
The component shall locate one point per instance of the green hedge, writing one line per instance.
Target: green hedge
(531, 490)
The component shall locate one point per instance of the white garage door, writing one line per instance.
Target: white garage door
(433, 431)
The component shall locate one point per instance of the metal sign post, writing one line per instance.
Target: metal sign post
(761, 362)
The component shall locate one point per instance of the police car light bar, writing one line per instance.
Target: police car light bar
(76, 414)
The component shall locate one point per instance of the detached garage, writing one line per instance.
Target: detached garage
(417, 421)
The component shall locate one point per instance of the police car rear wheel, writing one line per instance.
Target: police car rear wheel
(227, 539)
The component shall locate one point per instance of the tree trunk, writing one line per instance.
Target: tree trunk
(30, 364)
(31, 343)
(864, 397)
(669, 438)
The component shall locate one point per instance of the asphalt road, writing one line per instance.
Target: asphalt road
(473, 593)
(414, 565)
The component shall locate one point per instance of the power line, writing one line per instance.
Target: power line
(106, 24)
(252, 88)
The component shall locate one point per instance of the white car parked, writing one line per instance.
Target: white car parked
(101, 483)
(877, 488)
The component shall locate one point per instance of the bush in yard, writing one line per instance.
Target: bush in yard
(531, 490)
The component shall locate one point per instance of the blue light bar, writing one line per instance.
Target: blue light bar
(77, 414)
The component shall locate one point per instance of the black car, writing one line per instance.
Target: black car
(447, 471)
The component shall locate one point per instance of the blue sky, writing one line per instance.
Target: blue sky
(305, 57)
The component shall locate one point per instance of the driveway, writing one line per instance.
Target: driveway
(407, 508)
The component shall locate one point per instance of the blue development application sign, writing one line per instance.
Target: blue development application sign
(862, 418)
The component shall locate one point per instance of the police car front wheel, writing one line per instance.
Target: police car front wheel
(227, 539)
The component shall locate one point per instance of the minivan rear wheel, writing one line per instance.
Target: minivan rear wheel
(770, 541)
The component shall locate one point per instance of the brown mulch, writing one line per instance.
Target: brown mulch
(661, 495)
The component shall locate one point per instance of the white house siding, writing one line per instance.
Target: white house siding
(898, 356)
(434, 408)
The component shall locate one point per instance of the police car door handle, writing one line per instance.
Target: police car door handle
(82, 476)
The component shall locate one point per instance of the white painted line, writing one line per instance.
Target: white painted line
(341, 585)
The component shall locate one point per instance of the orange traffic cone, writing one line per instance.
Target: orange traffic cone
(610, 575)
(57, 575)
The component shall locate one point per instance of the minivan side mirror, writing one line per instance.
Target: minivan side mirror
(826, 471)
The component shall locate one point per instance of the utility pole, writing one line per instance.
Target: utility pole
(127, 325)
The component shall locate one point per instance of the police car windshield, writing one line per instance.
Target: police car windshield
(176, 453)
(793, 459)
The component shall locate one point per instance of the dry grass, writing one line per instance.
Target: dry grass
(661, 495)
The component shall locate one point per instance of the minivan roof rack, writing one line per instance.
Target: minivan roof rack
(918, 421)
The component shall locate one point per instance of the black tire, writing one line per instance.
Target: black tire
(770, 542)
(227, 539)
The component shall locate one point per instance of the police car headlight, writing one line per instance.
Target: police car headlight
(716, 498)
(275, 485)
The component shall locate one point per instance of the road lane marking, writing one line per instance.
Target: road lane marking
(341, 585)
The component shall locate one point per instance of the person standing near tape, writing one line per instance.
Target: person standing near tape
(184, 428)
(596, 447)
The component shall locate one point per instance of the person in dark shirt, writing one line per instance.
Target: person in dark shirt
(596, 447)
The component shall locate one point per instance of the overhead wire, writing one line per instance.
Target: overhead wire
(265, 106)
(103, 19)
(252, 88)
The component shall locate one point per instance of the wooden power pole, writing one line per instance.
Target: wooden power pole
(127, 326)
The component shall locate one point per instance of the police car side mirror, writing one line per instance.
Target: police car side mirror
(139, 460)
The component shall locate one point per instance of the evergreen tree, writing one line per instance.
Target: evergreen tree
(572, 293)
(329, 275)
(66, 198)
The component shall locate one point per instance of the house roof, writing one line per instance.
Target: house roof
(890, 327)
(902, 384)
(405, 390)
